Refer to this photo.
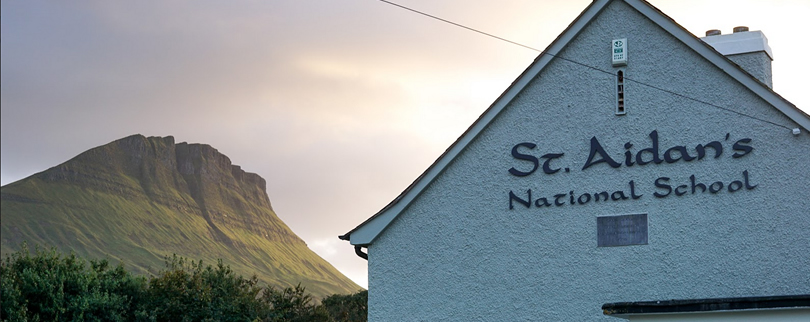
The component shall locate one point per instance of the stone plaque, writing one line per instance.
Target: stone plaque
(621, 230)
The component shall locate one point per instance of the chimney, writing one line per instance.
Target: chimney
(748, 49)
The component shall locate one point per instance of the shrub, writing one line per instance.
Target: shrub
(46, 286)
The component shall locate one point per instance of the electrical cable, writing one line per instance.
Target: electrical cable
(581, 64)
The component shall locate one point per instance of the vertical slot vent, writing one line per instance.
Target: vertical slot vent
(620, 108)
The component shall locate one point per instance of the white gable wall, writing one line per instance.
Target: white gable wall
(459, 253)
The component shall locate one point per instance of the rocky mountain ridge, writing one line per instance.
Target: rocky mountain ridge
(140, 198)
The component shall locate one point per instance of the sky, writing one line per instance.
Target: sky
(338, 104)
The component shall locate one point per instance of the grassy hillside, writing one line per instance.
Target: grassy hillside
(139, 199)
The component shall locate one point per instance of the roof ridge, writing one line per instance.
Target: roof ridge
(365, 233)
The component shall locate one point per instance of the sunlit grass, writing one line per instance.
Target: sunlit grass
(139, 213)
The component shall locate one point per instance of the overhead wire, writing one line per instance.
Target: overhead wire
(580, 63)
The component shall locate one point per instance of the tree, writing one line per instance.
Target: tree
(291, 304)
(190, 291)
(352, 307)
(45, 286)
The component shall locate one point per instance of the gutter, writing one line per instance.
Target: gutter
(357, 248)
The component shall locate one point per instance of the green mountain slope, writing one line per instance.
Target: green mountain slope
(139, 199)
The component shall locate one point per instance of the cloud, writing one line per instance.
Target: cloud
(338, 104)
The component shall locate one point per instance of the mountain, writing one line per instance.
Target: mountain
(138, 199)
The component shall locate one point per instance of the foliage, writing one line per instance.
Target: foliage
(291, 304)
(352, 307)
(48, 286)
(189, 291)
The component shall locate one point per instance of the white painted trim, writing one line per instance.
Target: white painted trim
(367, 232)
(705, 50)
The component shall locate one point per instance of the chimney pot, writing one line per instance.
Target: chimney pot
(740, 29)
(713, 32)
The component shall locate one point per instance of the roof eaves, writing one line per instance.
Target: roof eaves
(721, 61)
(625, 309)
(365, 233)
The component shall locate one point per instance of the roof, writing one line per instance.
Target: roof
(367, 232)
(622, 309)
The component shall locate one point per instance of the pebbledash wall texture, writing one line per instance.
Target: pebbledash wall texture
(504, 226)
